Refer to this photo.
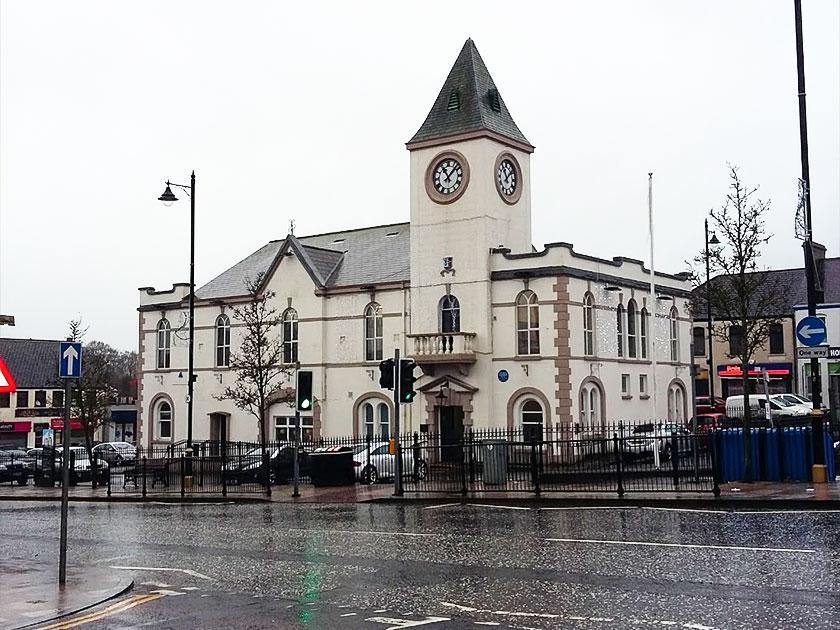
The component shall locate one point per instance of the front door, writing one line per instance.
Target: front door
(451, 425)
(218, 433)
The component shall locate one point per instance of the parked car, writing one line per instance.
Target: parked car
(707, 423)
(707, 405)
(758, 402)
(248, 467)
(374, 462)
(116, 453)
(643, 438)
(13, 467)
(796, 399)
(82, 465)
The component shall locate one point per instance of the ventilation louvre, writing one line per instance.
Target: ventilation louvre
(454, 100)
(495, 100)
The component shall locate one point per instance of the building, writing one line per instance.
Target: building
(778, 356)
(506, 336)
(39, 399)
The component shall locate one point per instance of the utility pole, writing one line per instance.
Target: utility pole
(819, 471)
(398, 487)
(65, 482)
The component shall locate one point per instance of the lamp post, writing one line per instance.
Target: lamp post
(168, 199)
(713, 241)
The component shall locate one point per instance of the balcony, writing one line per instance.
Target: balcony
(443, 347)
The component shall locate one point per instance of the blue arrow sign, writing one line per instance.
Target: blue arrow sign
(811, 331)
(70, 360)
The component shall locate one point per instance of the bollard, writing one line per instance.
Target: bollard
(675, 458)
(618, 465)
(183, 480)
(463, 467)
(144, 476)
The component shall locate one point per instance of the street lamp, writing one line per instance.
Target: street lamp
(168, 199)
(713, 241)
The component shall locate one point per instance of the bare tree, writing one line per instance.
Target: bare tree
(260, 371)
(744, 297)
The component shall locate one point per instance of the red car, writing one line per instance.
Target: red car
(706, 405)
(707, 423)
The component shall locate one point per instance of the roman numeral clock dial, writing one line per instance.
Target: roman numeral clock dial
(508, 178)
(448, 176)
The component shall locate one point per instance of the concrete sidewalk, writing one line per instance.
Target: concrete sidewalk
(31, 596)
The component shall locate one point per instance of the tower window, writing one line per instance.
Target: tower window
(495, 100)
(454, 100)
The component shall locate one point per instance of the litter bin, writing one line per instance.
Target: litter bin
(332, 466)
(495, 467)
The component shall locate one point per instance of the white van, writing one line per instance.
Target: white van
(758, 402)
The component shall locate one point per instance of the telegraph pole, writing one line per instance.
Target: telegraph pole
(816, 383)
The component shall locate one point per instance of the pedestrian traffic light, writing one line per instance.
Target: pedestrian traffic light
(386, 374)
(304, 390)
(407, 379)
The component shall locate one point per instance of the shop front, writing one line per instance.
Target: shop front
(77, 434)
(780, 378)
(14, 434)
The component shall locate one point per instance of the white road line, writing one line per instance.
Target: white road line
(680, 545)
(354, 531)
(698, 510)
(187, 571)
(487, 623)
(593, 507)
(115, 558)
(406, 623)
(437, 507)
(498, 507)
(348, 615)
(158, 584)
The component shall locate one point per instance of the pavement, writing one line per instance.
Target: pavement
(31, 595)
(377, 566)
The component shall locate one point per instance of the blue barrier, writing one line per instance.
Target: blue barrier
(777, 454)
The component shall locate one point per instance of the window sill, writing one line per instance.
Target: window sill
(644, 397)
(626, 397)
(527, 357)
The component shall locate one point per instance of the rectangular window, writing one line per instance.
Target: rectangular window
(699, 341)
(5, 400)
(22, 400)
(284, 428)
(58, 398)
(625, 384)
(40, 398)
(777, 339)
(643, 385)
(736, 341)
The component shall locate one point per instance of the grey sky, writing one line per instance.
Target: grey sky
(301, 110)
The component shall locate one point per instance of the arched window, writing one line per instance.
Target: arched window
(591, 417)
(527, 324)
(588, 324)
(222, 341)
(644, 326)
(376, 420)
(676, 403)
(290, 336)
(450, 314)
(532, 421)
(631, 329)
(674, 330)
(164, 343)
(163, 414)
(619, 329)
(373, 332)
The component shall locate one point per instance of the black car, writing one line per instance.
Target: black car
(13, 467)
(248, 467)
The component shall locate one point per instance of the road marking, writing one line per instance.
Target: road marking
(166, 592)
(406, 623)
(187, 571)
(114, 559)
(436, 507)
(158, 584)
(349, 615)
(353, 531)
(667, 509)
(684, 546)
(498, 507)
(487, 623)
(592, 507)
(114, 609)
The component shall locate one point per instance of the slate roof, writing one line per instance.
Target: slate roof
(32, 362)
(470, 77)
(337, 259)
(790, 283)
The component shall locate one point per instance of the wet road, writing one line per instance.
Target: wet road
(446, 566)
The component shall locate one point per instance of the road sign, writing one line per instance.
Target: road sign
(811, 331)
(7, 383)
(818, 352)
(70, 360)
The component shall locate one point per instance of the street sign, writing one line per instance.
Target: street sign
(7, 383)
(819, 352)
(70, 360)
(834, 352)
(811, 331)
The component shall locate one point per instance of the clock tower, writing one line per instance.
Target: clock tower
(470, 192)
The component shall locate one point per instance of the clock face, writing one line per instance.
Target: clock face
(448, 176)
(507, 178)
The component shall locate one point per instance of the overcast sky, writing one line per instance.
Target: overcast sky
(301, 111)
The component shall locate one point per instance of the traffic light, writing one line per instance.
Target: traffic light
(386, 374)
(304, 390)
(407, 379)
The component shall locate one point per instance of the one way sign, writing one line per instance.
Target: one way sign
(70, 360)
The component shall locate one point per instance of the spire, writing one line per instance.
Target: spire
(468, 103)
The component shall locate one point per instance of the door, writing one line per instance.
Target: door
(451, 424)
(218, 433)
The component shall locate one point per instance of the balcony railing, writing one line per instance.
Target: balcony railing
(455, 347)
